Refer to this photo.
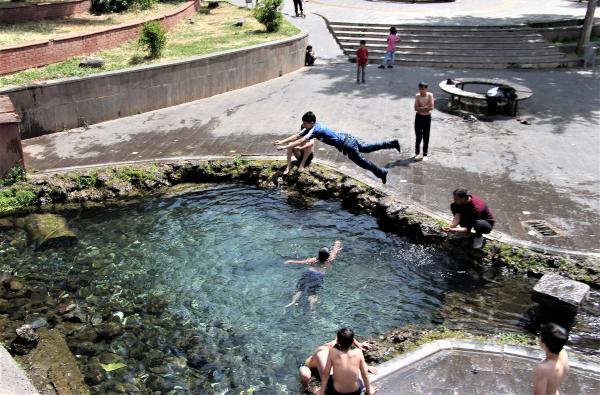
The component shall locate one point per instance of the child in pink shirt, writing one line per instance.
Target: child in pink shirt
(392, 39)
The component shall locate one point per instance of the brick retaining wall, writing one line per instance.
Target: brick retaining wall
(22, 12)
(23, 56)
(65, 104)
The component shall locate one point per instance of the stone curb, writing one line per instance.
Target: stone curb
(495, 235)
(12, 378)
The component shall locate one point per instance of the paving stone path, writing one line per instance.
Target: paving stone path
(546, 170)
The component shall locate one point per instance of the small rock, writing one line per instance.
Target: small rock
(93, 62)
(5, 278)
(27, 333)
(39, 323)
(239, 22)
(25, 341)
(16, 285)
(65, 308)
(96, 319)
(110, 329)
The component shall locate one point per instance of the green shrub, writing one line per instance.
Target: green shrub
(153, 39)
(15, 174)
(11, 199)
(144, 4)
(267, 12)
(106, 6)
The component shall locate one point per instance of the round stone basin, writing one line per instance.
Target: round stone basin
(201, 287)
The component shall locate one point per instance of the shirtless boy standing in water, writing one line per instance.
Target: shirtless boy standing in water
(551, 372)
(349, 367)
(317, 361)
(312, 279)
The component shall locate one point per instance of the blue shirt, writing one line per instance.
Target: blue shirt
(323, 134)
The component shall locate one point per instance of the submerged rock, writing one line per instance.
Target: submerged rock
(48, 231)
(53, 365)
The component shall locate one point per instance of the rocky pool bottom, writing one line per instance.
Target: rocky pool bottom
(154, 299)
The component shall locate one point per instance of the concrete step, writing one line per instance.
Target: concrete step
(451, 50)
(429, 28)
(468, 58)
(485, 65)
(454, 45)
(445, 36)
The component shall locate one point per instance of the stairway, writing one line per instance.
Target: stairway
(490, 47)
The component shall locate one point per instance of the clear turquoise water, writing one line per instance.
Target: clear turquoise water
(217, 256)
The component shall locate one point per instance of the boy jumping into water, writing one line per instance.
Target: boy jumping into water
(312, 279)
(344, 142)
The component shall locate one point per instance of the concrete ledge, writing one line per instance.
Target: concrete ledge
(12, 378)
(449, 345)
(21, 12)
(74, 102)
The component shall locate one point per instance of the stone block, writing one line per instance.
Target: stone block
(557, 292)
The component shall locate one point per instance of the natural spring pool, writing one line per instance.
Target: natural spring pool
(200, 283)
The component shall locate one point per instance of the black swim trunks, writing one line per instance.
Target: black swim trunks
(331, 390)
(310, 282)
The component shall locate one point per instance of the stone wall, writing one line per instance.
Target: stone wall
(21, 12)
(65, 104)
(11, 152)
(34, 54)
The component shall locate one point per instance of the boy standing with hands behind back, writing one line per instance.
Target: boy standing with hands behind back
(362, 58)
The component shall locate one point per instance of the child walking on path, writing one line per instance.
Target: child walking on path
(390, 55)
(423, 107)
(362, 58)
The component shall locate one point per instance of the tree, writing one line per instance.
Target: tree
(586, 30)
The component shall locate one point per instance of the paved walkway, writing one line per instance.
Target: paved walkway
(547, 170)
(460, 12)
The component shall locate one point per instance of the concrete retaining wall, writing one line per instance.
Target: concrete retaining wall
(23, 56)
(11, 152)
(21, 12)
(70, 103)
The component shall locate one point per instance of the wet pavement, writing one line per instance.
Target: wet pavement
(545, 169)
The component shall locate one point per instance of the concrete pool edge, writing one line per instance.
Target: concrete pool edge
(430, 349)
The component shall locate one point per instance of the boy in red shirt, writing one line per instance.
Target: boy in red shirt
(362, 58)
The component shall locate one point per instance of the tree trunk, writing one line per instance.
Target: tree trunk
(586, 30)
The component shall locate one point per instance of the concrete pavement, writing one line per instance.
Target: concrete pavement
(547, 170)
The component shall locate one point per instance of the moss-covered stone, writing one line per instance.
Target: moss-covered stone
(47, 230)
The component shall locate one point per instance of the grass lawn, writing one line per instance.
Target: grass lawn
(209, 33)
(23, 32)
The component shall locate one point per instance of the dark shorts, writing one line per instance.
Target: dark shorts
(310, 282)
(331, 390)
(308, 159)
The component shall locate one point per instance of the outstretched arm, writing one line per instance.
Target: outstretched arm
(296, 143)
(337, 247)
(293, 137)
(306, 261)
(325, 375)
(365, 375)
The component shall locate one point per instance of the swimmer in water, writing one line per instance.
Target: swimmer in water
(312, 279)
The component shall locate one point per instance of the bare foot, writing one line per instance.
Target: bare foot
(286, 171)
(300, 168)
